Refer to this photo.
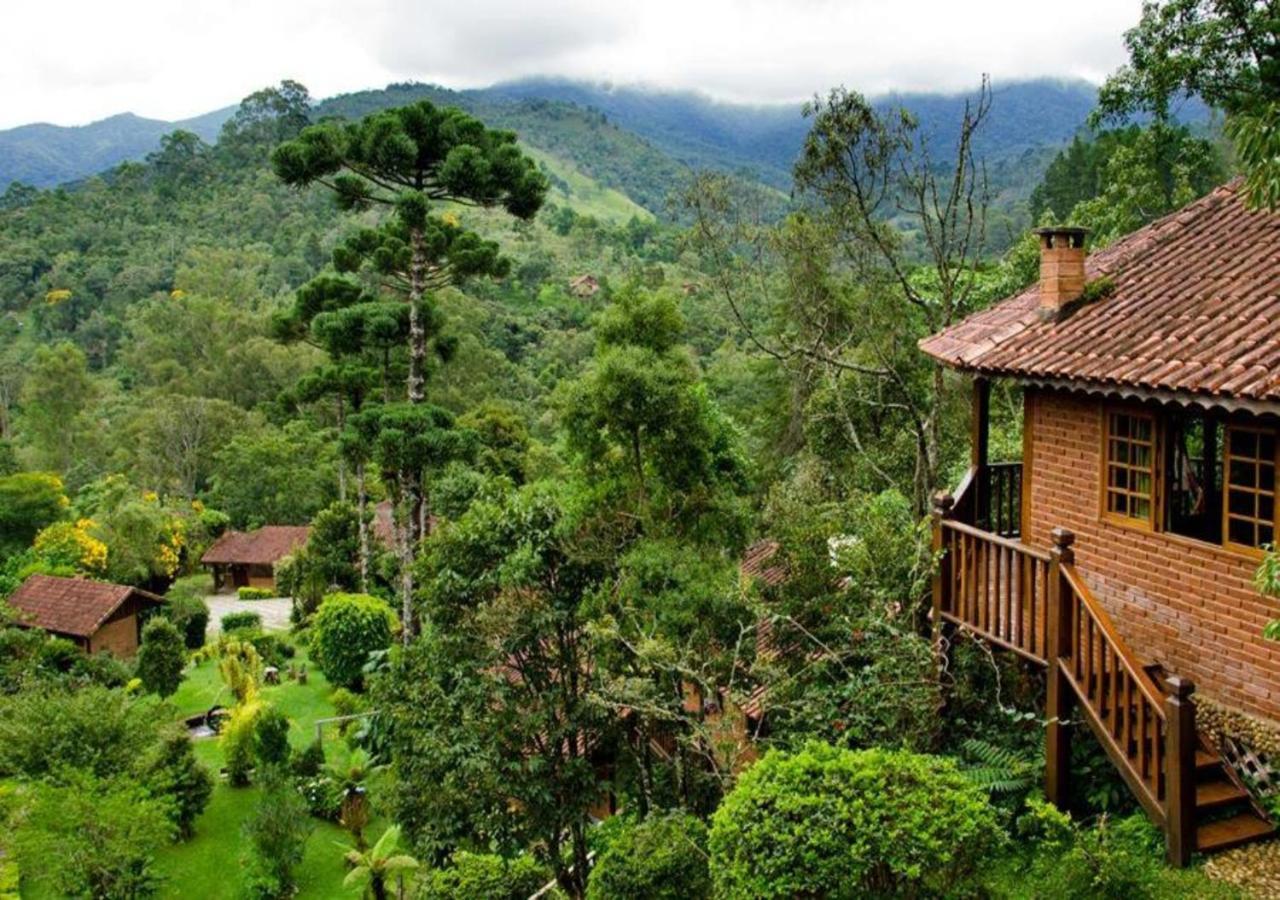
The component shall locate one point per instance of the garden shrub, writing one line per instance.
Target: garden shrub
(271, 737)
(254, 593)
(171, 770)
(273, 649)
(111, 829)
(240, 621)
(161, 657)
(345, 630)
(239, 741)
(276, 838)
(309, 761)
(191, 616)
(829, 822)
(483, 876)
(345, 703)
(661, 858)
(323, 795)
(240, 667)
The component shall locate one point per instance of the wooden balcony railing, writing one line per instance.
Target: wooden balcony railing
(1001, 511)
(1036, 604)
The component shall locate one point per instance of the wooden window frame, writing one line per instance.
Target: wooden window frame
(1229, 429)
(1153, 522)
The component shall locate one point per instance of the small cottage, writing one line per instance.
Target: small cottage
(584, 286)
(94, 615)
(248, 558)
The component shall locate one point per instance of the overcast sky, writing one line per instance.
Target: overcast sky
(73, 61)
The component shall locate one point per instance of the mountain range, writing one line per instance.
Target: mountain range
(635, 140)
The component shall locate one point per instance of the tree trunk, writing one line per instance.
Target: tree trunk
(362, 507)
(417, 331)
(342, 462)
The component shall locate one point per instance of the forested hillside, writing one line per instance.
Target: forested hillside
(600, 478)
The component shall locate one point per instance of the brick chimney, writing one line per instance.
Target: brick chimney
(1061, 268)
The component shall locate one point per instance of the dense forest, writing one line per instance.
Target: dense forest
(588, 381)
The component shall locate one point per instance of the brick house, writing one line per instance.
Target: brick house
(1120, 551)
(247, 558)
(94, 615)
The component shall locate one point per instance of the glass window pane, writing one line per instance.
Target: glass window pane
(1244, 443)
(1119, 452)
(1240, 531)
(1119, 425)
(1117, 503)
(1142, 483)
(1266, 446)
(1242, 473)
(1267, 477)
(1241, 503)
(1266, 507)
(1266, 534)
(1119, 477)
(1141, 509)
(1142, 429)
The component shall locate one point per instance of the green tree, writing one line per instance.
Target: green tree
(277, 476)
(29, 502)
(1223, 51)
(57, 399)
(171, 772)
(824, 822)
(93, 838)
(482, 876)
(345, 630)
(161, 657)
(406, 160)
(276, 839)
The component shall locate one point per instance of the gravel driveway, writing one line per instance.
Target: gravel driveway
(274, 612)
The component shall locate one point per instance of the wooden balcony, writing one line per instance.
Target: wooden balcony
(1035, 603)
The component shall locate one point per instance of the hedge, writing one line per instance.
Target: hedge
(255, 593)
(234, 621)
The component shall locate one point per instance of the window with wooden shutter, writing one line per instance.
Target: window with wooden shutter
(1130, 484)
(1250, 486)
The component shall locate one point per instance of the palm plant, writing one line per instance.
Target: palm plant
(373, 868)
(351, 778)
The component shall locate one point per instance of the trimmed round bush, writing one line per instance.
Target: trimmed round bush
(191, 616)
(254, 593)
(662, 858)
(483, 876)
(345, 630)
(829, 822)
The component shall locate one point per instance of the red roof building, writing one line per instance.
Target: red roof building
(93, 614)
(1119, 552)
(247, 558)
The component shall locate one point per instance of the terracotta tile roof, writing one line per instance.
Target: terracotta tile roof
(71, 605)
(756, 563)
(1196, 308)
(261, 547)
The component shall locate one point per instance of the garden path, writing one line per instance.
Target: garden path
(274, 612)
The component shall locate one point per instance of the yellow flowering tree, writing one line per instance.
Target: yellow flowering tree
(72, 545)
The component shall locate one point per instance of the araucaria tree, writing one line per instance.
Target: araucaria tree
(409, 160)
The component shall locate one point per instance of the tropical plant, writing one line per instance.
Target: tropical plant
(663, 857)
(374, 867)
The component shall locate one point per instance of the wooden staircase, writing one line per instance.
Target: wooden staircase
(1036, 604)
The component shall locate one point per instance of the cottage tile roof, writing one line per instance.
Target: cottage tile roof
(1195, 308)
(264, 546)
(73, 606)
(758, 562)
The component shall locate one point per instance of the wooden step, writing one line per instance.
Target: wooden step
(1207, 759)
(1232, 832)
(1217, 793)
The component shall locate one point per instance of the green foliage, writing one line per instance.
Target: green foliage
(111, 829)
(307, 762)
(663, 857)
(379, 864)
(1000, 771)
(30, 658)
(345, 630)
(275, 839)
(1267, 580)
(271, 737)
(254, 593)
(29, 501)
(239, 741)
(840, 823)
(190, 614)
(480, 876)
(241, 620)
(276, 476)
(161, 657)
(171, 772)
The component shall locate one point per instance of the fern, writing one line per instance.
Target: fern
(999, 771)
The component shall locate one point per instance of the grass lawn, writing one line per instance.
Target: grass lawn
(208, 865)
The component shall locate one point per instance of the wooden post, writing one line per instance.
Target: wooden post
(1059, 702)
(979, 444)
(1180, 771)
(943, 631)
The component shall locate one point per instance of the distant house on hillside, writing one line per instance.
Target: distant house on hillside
(95, 615)
(248, 558)
(584, 286)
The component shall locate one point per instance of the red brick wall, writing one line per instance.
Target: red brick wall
(1185, 604)
(119, 634)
